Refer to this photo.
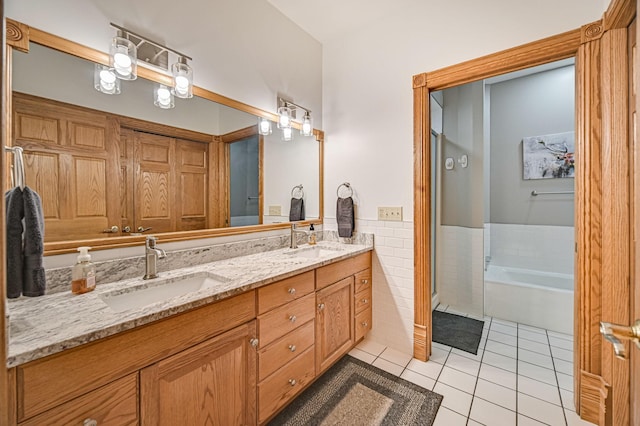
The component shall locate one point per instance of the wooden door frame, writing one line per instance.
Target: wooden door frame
(602, 258)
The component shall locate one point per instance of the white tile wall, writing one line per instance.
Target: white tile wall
(460, 269)
(544, 248)
(392, 281)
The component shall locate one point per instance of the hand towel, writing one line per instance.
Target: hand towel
(297, 209)
(345, 217)
(34, 281)
(15, 212)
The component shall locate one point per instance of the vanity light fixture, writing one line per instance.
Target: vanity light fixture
(264, 126)
(105, 80)
(286, 115)
(163, 98)
(287, 133)
(123, 57)
(182, 78)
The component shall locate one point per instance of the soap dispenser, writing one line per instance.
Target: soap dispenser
(312, 235)
(83, 275)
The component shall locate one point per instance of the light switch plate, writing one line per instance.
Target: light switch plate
(390, 213)
(275, 210)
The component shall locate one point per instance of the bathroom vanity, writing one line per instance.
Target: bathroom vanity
(235, 352)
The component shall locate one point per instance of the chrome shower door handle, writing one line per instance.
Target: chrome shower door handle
(617, 334)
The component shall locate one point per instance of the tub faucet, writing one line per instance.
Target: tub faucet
(294, 231)
(151, 255)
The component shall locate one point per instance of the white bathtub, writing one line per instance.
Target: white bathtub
(535, 298)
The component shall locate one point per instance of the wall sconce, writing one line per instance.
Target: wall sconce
(264, 126)
(286, 115)
(163, 98)
(127, 48)
(105, 80)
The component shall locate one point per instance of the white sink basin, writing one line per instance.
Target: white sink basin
(312, 252)
(153, 292)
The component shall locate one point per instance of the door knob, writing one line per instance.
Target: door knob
(113, 230)
(142, 229)
(617, 334)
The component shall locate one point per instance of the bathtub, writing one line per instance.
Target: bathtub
(535, 298)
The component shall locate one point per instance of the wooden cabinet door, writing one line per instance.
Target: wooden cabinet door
(334, 323)
(213, 383)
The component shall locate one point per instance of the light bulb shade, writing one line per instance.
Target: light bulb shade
(105, 80)
(182, 79)
(162, 97)
(264, 126)
(287, 133)
(306, 129)
(123, 58)
(284, 117)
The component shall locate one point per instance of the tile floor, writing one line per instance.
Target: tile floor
(521, 376)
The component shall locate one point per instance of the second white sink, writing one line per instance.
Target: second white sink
(312, 252)
(153, 292)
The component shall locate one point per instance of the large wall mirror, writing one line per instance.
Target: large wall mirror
(110, 168)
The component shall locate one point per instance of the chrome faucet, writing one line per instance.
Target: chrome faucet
(294, 231)
(151, 255)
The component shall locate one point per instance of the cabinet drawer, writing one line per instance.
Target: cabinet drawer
(363, 280)
(113, 404)
(286, 348)
(336, 271)
(285, 291)
(284, 384)
(280, 321)
(363, 300)
(363, 323)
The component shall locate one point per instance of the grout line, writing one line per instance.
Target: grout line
(517, 368)
(555, 373)
(475, 387)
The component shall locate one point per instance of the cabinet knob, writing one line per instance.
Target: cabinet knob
(254, 342)
(292, 291)
(292, 382)
(292, 318)
(292, 348)
(321, 306)
(90, 422)
(365, 281)
(365, 324)
(365, 300)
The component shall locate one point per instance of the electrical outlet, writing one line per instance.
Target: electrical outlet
(390, 213)
(275, 210)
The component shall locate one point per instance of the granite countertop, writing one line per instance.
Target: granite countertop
(50, 324)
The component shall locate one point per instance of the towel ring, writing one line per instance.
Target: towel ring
(297, 190)
(348, 186)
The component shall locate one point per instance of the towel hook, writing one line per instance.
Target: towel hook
(299, 191)
(348, 186)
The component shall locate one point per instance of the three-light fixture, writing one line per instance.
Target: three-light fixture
(286, 116)
(126, 50)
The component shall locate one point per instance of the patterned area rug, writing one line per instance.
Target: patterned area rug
(355, 393)
(457, 331)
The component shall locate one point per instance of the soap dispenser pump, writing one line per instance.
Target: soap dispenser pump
(312, 235)
(83, 275)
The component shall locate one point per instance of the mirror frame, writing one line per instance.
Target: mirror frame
(19, 35)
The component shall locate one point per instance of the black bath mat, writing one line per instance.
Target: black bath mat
(457, 331)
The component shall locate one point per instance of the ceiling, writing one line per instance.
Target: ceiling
(328, 19)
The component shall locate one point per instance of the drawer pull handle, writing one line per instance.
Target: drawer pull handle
(365, 301)
(321, 306)
(365, 281)
(90, 422)
(292, 291)
(365, 324)
(292, 318)
(292, 382)
(254, 342)
(292, 348)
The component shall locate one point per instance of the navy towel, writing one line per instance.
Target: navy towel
(34, 281)
(297, 209)
(15, 212)
(345, 217)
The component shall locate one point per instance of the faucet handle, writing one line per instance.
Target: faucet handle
(616, 334)
(150, 241)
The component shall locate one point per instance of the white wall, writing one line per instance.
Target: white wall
(367, 98)
(244, 49)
